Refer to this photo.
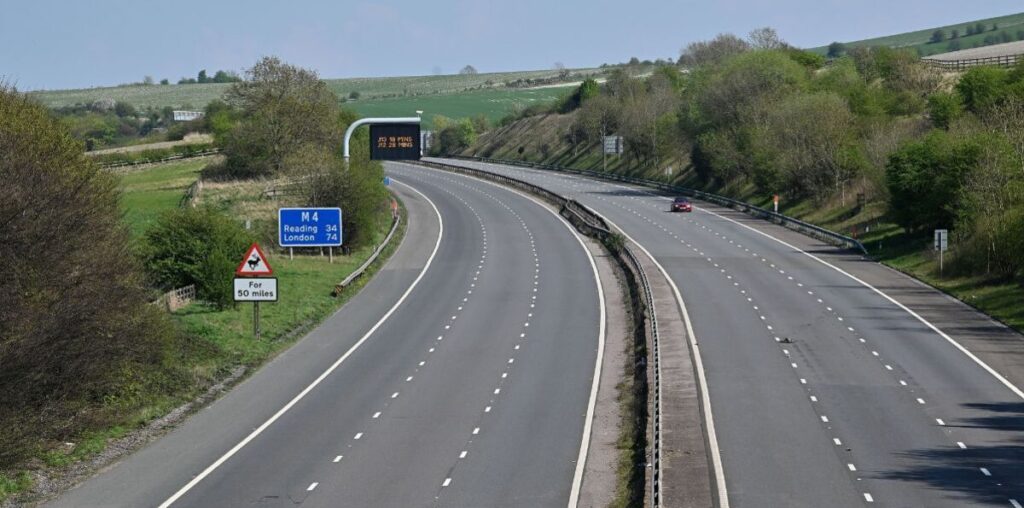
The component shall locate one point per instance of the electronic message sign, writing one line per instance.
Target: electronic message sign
(395, 141)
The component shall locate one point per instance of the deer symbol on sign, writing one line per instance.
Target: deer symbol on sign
(254, 261)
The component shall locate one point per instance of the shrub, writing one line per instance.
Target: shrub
(198, 246)
(924, 179)
(944, 108)
(73, 312)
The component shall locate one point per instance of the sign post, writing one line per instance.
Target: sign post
(941, 244)
(251, 284)
(775, 200)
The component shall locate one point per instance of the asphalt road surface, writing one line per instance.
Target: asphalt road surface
(825, 391)
(461, 375)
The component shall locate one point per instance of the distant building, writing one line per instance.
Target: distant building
(187, 116)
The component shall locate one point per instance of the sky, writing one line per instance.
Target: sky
(50, 44)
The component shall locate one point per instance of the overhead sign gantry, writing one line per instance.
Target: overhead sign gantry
(390, 138)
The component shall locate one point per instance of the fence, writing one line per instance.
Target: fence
(956, 65)
(204, 153)
(818, 232)
(177, 298)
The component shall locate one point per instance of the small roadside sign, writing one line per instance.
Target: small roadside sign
(941, 240)
(387, 180)
(262, 289)
(254, 263)
(775, 200)
(941, 245)
(613, 145)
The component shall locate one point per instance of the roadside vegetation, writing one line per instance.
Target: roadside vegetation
(873, 144)
(87, 358)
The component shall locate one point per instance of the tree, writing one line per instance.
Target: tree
(588, 90)
(165, 81)
(147, 80)
(955, 34)
(979, 28)
(201, 78)
(714, 51)
(563, 72)
(469, 69)
(836, 50)
(353, 95)
(954, 45)
(282, 107)
(937, 37)
(766, 38)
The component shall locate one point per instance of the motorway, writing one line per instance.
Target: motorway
(461, 375)
(826, 390)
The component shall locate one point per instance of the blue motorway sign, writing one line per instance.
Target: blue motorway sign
(309, 227)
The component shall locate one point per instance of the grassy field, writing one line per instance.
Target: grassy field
(494, 103)
(197, 96)
(149, 192)
(919, 39)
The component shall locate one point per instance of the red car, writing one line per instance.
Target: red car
(682, 205)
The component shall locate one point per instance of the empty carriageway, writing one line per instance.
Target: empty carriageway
(461, 375)
(826, 390)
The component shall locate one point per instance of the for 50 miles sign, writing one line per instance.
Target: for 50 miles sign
(309, 227)
(256, 290)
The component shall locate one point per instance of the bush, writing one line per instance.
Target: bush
(924, 179)
(198, 246)
(73, 312)
(944, 108)
(982, 88)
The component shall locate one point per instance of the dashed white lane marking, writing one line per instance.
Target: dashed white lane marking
(1015, 504)
(447, 482)
(961, 445)
(985, 471)
(394, 395)
(824, 419)
(851, 467)
(463, 454)
(311, 486)
(868, 498)
(358, 436)
(376, 415)
(940, 422)
(476, 431)
(337, 459)
(259, 430)
(920, 400)
(837, 441)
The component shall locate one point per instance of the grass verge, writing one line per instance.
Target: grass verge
(219, 341)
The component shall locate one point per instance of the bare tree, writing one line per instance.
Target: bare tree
(766, 38)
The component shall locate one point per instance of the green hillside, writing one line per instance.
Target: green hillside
(919, 39)
(198, 95)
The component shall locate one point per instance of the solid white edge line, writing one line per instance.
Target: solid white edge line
(917, 316)
(577, 480)
(259, 430)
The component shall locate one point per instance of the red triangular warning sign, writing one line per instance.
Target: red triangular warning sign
(254, 263)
